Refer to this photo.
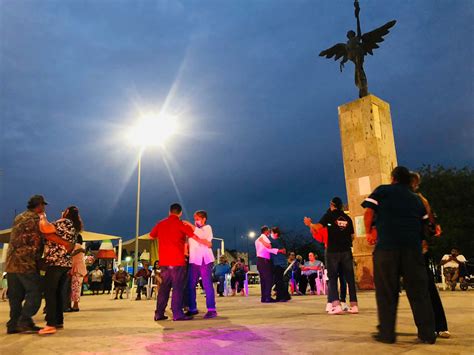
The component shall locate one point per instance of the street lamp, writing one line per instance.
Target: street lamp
(251, 235)
(151, 130)
(222, 244)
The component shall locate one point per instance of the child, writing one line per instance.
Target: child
(201, 262)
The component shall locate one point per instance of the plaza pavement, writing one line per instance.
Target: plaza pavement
(244, 326)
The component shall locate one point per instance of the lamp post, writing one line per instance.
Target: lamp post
(222, 245)
(251, 235)
(150, 131)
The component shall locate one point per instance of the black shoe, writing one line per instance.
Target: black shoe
(160, 318)
(183, 318)
(116, 298)
(270, 300)
(59, 326)
(221, 295)
(12, 331)
(380, 339)
(74, 309)
(27, 329)
(191, 313)
(210, 314)
(425, 341)
(121, 297)
(68, 310)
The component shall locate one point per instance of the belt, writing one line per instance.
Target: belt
(264, 259)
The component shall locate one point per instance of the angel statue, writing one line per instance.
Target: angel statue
(356, 48)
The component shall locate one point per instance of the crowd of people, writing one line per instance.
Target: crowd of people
(398, 220)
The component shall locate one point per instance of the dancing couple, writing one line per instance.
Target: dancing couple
(173, 236)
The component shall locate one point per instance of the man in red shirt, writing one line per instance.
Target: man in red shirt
(171, 233)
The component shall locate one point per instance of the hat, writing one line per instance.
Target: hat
(36, 200)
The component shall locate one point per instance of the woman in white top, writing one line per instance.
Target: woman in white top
(201, 262)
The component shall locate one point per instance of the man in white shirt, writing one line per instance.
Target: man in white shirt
(453, 263)
(264, 264)
(201, 262)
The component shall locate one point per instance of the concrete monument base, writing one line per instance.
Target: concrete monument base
(369, 155)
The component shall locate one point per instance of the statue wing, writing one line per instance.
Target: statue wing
(337, 51)
(370, 39)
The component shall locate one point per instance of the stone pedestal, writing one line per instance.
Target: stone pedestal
(369, 155)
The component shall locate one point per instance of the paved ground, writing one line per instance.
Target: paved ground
(245, 326)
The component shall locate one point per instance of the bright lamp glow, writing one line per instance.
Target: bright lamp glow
(128, 259)
(152, 131)
(252, 234)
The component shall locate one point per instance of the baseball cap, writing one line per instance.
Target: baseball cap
(36, 200)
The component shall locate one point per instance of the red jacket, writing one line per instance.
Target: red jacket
(171, 233)
(321, 236)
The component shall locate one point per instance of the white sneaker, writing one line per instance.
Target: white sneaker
(328, 307)
(444, 334)
(344, 306)
(354, 310)
(336, 310)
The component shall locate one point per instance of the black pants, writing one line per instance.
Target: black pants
(237, 280)
(304, 283)
(335, 261)
(173, 277)
(220, 288)
(441, 324)
(67, 292)
(55, 278)
(264, 267)
(281, 286)
(23, 287)
(409, 263)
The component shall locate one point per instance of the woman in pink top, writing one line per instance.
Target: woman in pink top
(78, 272)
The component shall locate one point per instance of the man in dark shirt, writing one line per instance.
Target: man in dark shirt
(338, 252)
(280, 263)
(23, 256)
(399, 223)
(171, 233)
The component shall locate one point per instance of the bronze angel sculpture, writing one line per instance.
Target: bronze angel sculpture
(356, 48)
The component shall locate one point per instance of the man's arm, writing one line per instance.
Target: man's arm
(60, 241)
(45, 226)
(268, 246)
(368, 222)
(201, 241)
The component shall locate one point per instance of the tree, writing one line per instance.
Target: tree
(450, 192)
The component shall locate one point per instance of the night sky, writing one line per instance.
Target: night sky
(257, 108)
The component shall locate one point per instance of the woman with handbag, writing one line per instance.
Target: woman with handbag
(58, 262)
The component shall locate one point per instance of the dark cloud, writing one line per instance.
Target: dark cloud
(259, 107)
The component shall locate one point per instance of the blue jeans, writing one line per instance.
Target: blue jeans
(173, 277)
(205, 271)
(23, 287)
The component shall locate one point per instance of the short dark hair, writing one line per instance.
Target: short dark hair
(401, 175)
(176, 208)
(201, 213)
(276, 230)
(337, 202)
(264, 229)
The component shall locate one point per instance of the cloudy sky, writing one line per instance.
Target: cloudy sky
(257, 108)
